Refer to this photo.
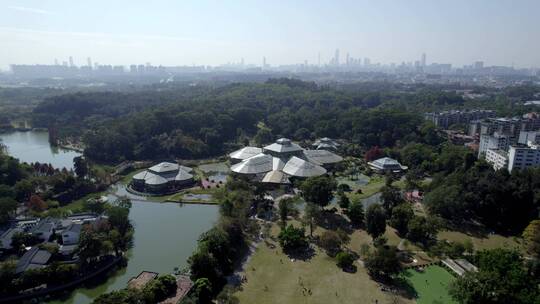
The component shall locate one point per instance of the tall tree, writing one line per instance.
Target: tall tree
(391, 197)
(312, 213)
(81, 166)
(422, 229)
(531, 235)
(318, 190)
(383, 263)
(401, 216)
(7, 209)
(355, 212)
(375, 220)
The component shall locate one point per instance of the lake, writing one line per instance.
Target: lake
(33, 146)
(165, 236)
(165, 233)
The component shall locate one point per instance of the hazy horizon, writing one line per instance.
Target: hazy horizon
(213, 33)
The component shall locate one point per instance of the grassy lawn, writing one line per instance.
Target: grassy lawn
(375, 184)
(431, 285)
(126, 179)
(179, 197)
(491, 241)
(75, 206)
(273, 278)
(214, 167)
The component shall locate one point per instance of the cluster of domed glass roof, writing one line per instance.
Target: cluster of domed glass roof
(280, 160)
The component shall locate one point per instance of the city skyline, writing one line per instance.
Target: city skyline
(206, 33)
(332, 62)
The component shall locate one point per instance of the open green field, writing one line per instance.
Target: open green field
(490, 241)
(431, 285)
(272, 277)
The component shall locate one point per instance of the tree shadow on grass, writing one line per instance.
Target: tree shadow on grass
(403, 286)
(469, 228)
(334, 221)
(303, 254)
(350, 269)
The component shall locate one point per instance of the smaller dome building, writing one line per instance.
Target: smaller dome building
(386, 164)
(162, 178)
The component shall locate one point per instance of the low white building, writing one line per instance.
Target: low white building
(523, 156)
(496, 141)
(497, 158)
(518, 157)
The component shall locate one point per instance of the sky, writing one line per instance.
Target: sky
(203, 32)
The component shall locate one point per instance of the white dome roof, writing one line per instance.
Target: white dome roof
(259, 163)
(301, 168)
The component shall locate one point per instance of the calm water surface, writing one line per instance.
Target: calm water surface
(165, 236)
(33, 146)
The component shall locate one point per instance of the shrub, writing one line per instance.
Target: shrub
(344, 260)
(292, 238)
(331, 242)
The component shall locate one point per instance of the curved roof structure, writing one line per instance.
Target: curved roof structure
(164, 167)
(276, 177)
(259, 163)
(325, 143)
(184, 168)
(281, 160)
(154, 179)
(162, 174)
(182, 176)
(283, 145)
(322, 156)
(302, 168)
(245, 153)
(386, 163)
(140, 175)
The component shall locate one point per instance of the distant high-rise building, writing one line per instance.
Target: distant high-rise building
(336, 57)
(64, 63)
(242, 61)
(55, 61)
(423, 61)
(89, 62)
(479, 65)
(319, 59)
(264, 62)
(347, 59)
(367, 62)
(71, 61)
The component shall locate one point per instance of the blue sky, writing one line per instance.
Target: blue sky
(500, 32)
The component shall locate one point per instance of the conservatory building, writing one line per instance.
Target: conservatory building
(162, 178)
(325, 143)
(386, 164)
(279, 161)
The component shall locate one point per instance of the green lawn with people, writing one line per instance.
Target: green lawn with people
(430, 285)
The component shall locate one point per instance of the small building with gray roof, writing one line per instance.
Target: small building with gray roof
(34, 258)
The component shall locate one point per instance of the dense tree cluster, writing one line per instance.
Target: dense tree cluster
(502, 201)
(203, 122)
(220, 247)
(502, 277)
(156, 290)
